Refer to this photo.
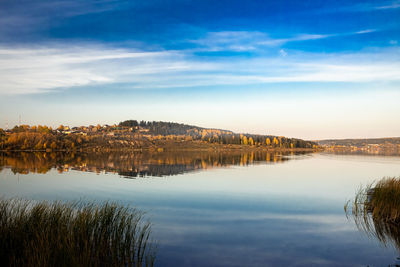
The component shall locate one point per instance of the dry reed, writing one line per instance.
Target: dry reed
(73, 234)
(376, 210)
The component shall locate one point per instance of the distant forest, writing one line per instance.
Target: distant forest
(133, 134)
(160, 127)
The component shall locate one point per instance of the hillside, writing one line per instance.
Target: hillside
(159, 128)
(132, 134)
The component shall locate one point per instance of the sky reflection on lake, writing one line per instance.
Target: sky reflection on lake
(284, 214)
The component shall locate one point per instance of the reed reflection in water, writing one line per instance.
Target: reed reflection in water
(131, 165)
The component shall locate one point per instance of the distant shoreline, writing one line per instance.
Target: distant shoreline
(206, 147)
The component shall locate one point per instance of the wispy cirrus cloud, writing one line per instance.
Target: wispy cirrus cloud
(239, 41)
(365, 31)
(62, 8)
(22, 18)
(361, 7)
(392, 5)
(43, 69)
(36, 70)
(296, 38)
(247, 40)
(229, 40)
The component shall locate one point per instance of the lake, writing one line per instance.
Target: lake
(220, 208)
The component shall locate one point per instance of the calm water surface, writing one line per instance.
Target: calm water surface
(213, 209)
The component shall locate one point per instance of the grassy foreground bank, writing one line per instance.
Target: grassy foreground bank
(73, 234)
(380, 200)
(376, 210)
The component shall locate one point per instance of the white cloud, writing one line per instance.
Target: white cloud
(41, 69)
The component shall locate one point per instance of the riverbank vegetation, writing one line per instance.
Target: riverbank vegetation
(73, 234)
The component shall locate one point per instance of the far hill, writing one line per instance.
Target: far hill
(160, 128)
(378, 146)
(360, 142)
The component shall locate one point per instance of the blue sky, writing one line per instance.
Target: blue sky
(309, 69)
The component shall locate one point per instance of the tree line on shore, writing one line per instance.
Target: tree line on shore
(216, 135)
